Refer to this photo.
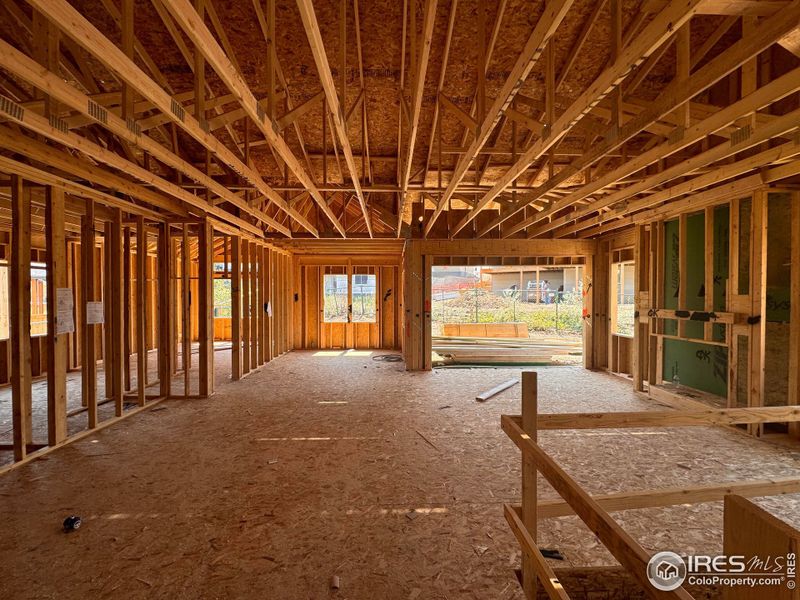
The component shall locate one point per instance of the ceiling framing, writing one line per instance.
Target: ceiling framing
(437, 118)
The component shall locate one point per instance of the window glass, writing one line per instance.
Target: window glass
(335, 301)
(364, 299)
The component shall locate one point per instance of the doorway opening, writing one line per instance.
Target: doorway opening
(507, 315)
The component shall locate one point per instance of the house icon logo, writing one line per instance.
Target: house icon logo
(666, 571)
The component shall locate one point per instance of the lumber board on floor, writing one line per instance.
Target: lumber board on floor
(496, 390)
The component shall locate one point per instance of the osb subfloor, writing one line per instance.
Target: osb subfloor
(311, 468)
(77, 420)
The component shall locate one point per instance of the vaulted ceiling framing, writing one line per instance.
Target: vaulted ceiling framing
(442, 118)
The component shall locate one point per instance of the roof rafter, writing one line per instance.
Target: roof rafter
(188, 19)
(551, 18)
(656, 33)
(314, 36)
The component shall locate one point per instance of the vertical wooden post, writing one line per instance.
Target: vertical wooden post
(708, 279)
(683, 275)
(530, 410)
(794, 318)
(165, 311)
(259, 304)
(641, 305)
(105, 277)
(427, 332)
(206, 308)
(186, 322)
(126, 279)
(88, 357)
(141, 311)
(20, 326)
(245, 291)
(588, 308)
(254, 250)
(113, 359)
(262, 315)
(268, 301)
(236, 308)
(758, 295)
(56, 343)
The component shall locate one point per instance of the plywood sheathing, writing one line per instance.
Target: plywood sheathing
(277, 491)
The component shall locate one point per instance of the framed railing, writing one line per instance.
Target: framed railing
(594, 510)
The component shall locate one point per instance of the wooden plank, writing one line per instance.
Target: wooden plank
(245, 292)
(166, 310)
(530, 493)
(269, 299)
(259, 279)
(678, 496)
(56, 262)
(236, 308)
(88, 348)
(758, 304)
(20, 313)
(127, 277)
(186, 310)
(254, 251)
(549, 580)
(141, 310)
(113, 364)
(753, 533)
(496, 390)
(794, 308)
(701, 418)
(205, 244)
(619, 543)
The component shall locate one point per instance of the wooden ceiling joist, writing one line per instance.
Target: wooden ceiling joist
(771, 92)
(73, 24)
(675, 94)
(418, 88)
(314, 36)
(22, 66)
(546, 27)
(657, 32)
(193, 26)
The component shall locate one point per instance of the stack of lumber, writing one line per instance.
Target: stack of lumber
(479, 350)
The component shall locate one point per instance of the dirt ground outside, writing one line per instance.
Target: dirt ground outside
(336, 464)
